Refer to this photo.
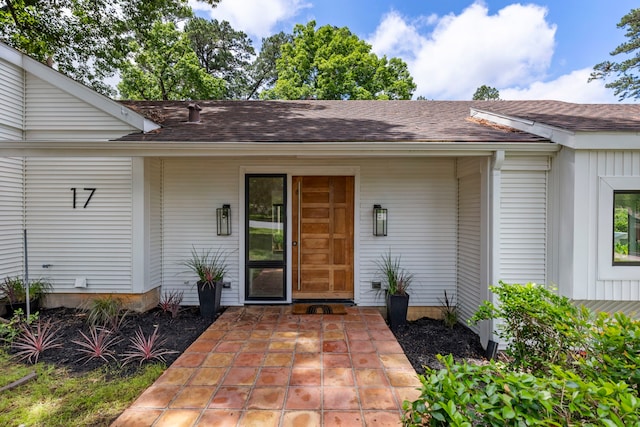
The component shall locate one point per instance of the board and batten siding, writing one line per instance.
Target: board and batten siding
(523, 220)
(94, 242)
(469, 293)
(421, 197)
(11, 101)
(154, 177)
(52, 113)
(591, 165)
(11, 217)
(192, 189)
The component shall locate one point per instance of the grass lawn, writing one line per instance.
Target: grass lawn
(57, 398)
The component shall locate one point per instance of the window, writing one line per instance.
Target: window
(626, 227)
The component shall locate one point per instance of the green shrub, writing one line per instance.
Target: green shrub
(612, 350)
(9, 331)
(539, 326)
(106, 312)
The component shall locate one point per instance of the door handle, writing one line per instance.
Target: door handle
(294, 243)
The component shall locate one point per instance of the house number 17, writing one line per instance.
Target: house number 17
(75, 196)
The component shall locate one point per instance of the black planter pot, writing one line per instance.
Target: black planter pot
(209, 297)
(397, 306)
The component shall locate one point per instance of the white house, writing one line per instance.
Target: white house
(114, 195)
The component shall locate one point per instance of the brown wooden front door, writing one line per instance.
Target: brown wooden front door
(322, 235)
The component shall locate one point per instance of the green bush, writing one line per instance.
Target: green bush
(494, 395)
(539, 326)
(566, 368)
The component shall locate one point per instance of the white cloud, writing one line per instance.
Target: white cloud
(254, 17)
(463, 52)
(572, 87)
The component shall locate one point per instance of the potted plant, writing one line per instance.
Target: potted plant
(210, 267)
(15, 294)
(396, 282)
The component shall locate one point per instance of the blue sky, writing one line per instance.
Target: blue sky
(528, 50)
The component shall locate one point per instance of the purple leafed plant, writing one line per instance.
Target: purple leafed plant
(170, 302)
(33, 340)
(97, 345)
(145, 349)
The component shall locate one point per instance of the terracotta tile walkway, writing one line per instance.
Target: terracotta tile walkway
(263, 366)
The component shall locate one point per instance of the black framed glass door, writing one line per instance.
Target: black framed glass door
(266, 227)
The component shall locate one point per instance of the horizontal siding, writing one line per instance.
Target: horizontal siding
(92, 242)
(11, 217)
(192, 190)
(469, 245)
(54, 114)
(421, 198)
(11, 101)
(523, 227)
(610, 164)
(630, 308)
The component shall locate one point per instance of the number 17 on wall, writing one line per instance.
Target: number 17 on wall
(75, 196)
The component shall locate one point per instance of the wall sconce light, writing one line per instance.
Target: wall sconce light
(379, 221)
(223, 219)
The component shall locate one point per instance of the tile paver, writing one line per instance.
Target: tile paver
(263, 366)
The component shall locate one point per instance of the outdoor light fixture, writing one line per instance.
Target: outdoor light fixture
(223, 217)
(379, 221)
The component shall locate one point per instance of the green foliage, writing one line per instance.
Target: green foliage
(486, 93)
(223, 52)
(396, 279)
(540, 326)
(107, 312)
(9, 331)
(333, 63)
(627, 82)
(85, 39)
(493, 395)
(263, 71)
(621, 220)
(449, 311)
(14, 290)
(165, 67)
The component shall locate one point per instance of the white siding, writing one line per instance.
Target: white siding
(421, 198)
(55, 114)
(155, 221)
(11, 217)
(192, 190)
(592, 165)
(523, 220)
(469, 238)
(93, 242)
(421, 195)
(11, 101)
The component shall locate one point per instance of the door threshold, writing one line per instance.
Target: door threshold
(347, 302)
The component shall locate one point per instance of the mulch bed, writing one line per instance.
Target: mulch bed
(179, 334)
(425, 338)
(421, 340)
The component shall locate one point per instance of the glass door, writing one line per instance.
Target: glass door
(266, 236)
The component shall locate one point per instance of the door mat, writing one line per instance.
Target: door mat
(318, 309)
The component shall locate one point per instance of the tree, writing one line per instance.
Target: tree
(85, 39)
(627, 83)
(333, 63)
(486, 93)
(223, 52)
(263, 70)
(165, 67)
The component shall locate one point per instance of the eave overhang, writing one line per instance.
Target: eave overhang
(265, 149)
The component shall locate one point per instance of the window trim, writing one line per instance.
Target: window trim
(607, 270)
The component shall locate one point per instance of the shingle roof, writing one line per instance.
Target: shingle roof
(371, 121)
(573, 117)
(320, 121)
